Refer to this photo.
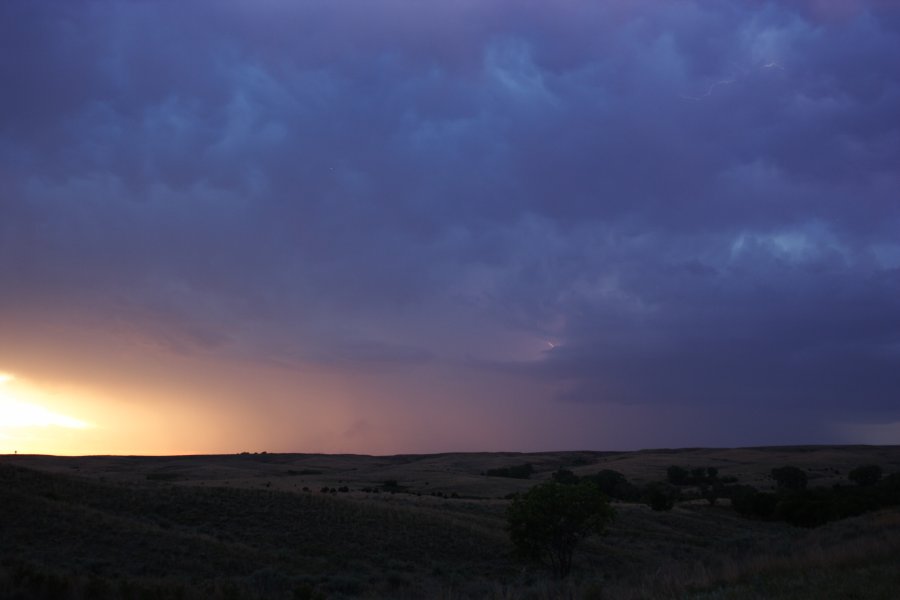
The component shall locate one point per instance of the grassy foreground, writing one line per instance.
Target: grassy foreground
(128, 533)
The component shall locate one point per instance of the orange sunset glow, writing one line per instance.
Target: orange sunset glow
(32, 419)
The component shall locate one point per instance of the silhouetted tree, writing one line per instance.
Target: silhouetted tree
(549, 521)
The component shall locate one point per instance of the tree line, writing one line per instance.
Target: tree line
(548, 522)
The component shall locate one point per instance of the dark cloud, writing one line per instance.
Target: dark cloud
(693, 202)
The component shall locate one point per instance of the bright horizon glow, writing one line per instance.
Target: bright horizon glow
(22, 407)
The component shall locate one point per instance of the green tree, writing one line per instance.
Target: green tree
(548, 522)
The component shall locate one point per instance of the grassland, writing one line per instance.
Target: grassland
(243, 526)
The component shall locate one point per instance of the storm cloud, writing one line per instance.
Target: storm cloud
(689, 205)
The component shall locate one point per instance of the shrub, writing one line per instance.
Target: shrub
(712, 493)
(698, 476)
(890, 485)
(789, 478)
(515, 472)
(865, 475)
(660, 495)
(749, 501)
(807, 509)
(677, 475)
(627, 492)
(565, 477)
(607, 480)
(615, 485)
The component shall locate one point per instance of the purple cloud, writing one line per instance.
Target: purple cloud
(693, 203)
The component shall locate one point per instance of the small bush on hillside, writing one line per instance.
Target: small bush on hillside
(607, 480)
(615, 485)
(515, 472)
(565, 477)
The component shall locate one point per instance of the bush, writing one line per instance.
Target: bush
(627, 492)
(701, 475)
(660, 496)
(516, 472)
(615, 485)
(750, 502)
(565, 477)
(865, 475)
(806, 509)
(789, 478)
(811, 508)
(607, 480)
(712, 493)
(890, 486)
(548, 522)
(677, 475)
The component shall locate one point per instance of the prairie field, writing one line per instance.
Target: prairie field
(259, 525)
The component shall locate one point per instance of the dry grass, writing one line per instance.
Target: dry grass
(240, 526)
(853, 544)
(461, 472)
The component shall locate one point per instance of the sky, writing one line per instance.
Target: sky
(406, 226)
